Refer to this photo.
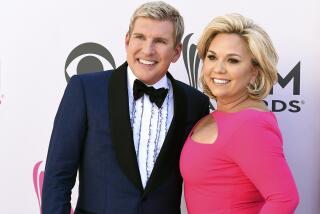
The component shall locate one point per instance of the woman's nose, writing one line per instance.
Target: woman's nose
(219, 67)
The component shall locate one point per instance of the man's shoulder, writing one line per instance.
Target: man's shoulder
(95, 75)
(189, 90)
(91, 81)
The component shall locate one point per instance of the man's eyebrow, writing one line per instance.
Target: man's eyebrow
(137, 34)
(161, 38)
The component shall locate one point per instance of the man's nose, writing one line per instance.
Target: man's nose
(148, 48)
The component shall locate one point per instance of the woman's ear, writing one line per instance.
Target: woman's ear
(255, 72)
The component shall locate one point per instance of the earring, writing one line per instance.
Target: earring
(253, 86)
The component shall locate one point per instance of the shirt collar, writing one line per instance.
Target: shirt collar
(162, 83)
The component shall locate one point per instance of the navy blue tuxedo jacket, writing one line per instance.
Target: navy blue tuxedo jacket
(92, 136)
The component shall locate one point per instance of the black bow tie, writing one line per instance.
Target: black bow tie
(156, 95)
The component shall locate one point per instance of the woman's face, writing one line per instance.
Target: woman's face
(227, 67)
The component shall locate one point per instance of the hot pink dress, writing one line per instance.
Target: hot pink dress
(243, 172)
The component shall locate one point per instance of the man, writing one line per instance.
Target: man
(124, 130)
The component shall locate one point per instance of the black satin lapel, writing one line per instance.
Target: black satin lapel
(121, 131)
(172, 146)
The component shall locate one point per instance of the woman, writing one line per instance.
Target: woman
(233, 161)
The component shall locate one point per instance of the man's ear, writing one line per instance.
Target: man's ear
(127, 39)
(177, 52)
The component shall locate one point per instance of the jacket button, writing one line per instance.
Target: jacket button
(144, 199)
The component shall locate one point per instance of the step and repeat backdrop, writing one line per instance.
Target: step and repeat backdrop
(44, 43)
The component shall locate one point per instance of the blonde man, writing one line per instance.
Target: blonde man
(123, 130)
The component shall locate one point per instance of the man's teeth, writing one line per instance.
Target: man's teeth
(146, 62)
(220, 81)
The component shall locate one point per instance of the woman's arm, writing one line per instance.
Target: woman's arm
(258, 152)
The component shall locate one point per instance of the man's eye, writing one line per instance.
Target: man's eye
(138, 37)
(161, 41)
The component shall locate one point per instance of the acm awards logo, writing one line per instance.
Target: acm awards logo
(192, 60)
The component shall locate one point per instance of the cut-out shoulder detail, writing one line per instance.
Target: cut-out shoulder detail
(205, 131)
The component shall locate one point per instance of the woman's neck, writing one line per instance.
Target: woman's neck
(233, 105)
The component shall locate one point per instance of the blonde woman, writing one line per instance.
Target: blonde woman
(233, 160)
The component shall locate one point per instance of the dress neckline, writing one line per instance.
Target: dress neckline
(241, 111)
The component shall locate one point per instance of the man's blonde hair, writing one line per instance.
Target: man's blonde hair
(161, 11)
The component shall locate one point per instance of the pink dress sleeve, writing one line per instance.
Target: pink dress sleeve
(257, 149)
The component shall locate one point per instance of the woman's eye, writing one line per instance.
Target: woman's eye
(233, 61)
(211, 57)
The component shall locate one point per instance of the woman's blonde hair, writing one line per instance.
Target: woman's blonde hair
(264, 56)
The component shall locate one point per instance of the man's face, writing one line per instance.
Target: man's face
(151, 48)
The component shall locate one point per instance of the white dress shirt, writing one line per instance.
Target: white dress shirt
(149, 124)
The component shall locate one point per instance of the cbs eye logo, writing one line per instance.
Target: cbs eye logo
(87, 58)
